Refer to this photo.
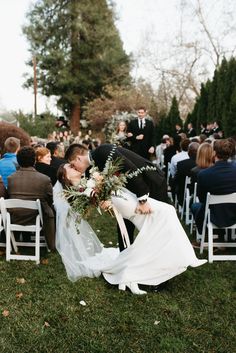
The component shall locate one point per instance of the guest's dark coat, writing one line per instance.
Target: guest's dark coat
(183, 169)
(28, 184)
(48, 170)
(220, 179)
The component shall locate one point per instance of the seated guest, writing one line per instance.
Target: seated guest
(28, 184)
(184, 169)
(42, 165)
(8, 163)
(56, 161)
(204, 159)
(219, 179)
(3, 190)
(179, 156)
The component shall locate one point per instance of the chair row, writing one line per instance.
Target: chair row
(208, 226)
(37, 241)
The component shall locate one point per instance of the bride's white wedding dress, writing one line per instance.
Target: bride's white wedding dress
(160, 251)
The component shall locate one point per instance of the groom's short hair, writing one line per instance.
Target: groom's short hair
(75, 149)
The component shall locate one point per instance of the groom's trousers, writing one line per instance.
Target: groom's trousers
(130, 229)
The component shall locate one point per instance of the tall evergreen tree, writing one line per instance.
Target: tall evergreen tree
(173, 117)
(78, 51)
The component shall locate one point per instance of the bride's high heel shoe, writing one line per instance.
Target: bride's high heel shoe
(133, 288)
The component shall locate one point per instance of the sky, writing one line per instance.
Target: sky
(137, 20)
(136, 17)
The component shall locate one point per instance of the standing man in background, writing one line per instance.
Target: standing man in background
(141, 134)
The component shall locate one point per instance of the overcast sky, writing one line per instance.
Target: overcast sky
(136, 19)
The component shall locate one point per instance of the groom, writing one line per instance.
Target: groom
(150, 182)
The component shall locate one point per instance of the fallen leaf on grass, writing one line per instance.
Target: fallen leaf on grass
(20, 280)
(82, 302)
(46, 324)
(5, 313)
(156, 322)
(44, 261)
(19, 295)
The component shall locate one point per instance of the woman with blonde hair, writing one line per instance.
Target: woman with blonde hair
(43, 161)
(204, 159)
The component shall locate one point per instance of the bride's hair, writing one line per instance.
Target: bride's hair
(62, 176)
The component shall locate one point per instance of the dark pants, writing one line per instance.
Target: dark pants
(130, 229)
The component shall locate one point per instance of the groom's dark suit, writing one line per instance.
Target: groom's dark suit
(149, 181)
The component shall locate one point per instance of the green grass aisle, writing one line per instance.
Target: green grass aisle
(42, 311)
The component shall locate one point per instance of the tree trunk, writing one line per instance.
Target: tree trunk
(75, 119)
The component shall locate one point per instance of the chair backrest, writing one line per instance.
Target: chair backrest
(218, 199)
(19, 203)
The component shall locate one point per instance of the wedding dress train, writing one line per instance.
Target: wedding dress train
(160, 251)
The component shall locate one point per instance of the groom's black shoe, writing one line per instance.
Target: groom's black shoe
(159, 287)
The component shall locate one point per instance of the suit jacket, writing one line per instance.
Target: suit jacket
(28, 184)
(219, 179)
(152, 181)
(141, 147)
(191, 133)
(183, 169)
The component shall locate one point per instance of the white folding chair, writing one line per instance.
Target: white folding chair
(207, 224)
(195, 199)
(10, 228)
(186, 202)
(3, 245)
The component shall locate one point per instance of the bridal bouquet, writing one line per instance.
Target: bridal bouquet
(99, 187)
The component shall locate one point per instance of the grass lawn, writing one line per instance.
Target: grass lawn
(41, 310)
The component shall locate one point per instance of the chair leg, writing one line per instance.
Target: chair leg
(8, 245)
(210, 243)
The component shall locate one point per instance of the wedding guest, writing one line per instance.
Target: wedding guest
(28, 184)
(183, 154)
(204, 159)
(42, 165)
(160, 251)
(141, 134)
(120, 137)
(3, 190)
(191, 131)
(160, 151)
(219, 179)
(178, 129)
(54, 149)
(8, 164)
(184, 169)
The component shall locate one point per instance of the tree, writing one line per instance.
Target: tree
(179, 63)
(78, 51)
(173, 118)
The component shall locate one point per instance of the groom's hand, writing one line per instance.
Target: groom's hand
(144, 208)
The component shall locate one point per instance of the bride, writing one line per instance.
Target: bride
(160, 251)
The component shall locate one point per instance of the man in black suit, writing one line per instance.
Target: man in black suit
(150, 182)
(191, 131)
(220, 179)
(141, 134)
